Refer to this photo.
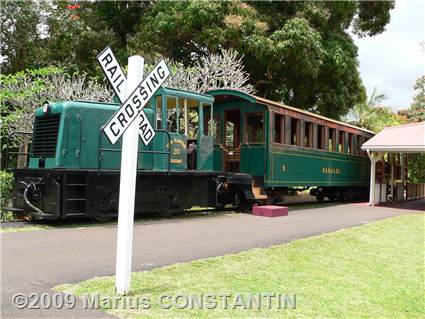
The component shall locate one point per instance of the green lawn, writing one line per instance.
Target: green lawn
(374, 271)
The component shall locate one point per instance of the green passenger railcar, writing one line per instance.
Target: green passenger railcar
(284, 148)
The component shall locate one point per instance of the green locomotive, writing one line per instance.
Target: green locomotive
(209, 150)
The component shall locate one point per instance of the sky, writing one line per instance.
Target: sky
(392, 60)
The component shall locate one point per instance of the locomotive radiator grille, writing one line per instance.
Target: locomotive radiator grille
(46, 130)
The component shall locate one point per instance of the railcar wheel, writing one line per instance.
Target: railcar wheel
(241, 203)
(332, 197)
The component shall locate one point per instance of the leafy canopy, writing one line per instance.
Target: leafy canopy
(298, 52)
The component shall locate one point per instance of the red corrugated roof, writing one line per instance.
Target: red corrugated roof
(409, 138)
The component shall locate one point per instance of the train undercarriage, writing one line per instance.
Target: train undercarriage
(58, 194)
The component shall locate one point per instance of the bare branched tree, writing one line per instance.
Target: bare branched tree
(30, 91)
(216, 71)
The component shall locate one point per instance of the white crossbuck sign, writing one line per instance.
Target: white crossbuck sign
(131, 108)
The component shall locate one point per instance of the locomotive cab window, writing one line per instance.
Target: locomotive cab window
(182, 118)
(172, 114)
(159, 112)
(255, 128)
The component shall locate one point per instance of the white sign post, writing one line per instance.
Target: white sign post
(122, 123)
(127, 187)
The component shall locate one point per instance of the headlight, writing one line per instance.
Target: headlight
(45, 107)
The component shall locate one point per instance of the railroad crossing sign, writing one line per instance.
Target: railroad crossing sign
(132, 106)
(134, 95)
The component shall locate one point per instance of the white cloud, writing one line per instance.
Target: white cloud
(393, 60)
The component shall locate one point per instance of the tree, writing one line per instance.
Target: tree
(224, 70)
(23, 92)
(372, 115)
(416, 113)
(297, 52)
(21, 39)
(38, 34)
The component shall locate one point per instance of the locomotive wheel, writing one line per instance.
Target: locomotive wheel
(167, 213)
(320, 197)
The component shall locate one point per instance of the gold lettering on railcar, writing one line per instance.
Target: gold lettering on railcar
(331, 170)
(176, 161)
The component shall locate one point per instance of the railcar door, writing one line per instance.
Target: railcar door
(232, 140)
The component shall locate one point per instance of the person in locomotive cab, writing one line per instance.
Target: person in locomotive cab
(191, 155)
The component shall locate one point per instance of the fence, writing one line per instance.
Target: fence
(415, 191)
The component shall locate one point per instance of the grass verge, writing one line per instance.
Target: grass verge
(375, 270)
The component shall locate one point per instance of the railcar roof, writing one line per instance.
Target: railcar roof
(257, 99)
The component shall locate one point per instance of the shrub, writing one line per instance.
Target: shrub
(6, 182)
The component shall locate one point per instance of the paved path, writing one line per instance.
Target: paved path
(36, 261)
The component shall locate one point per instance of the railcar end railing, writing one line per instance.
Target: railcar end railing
(7, 153)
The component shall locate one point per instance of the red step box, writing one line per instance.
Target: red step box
(269, 210)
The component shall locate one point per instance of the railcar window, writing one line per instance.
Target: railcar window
(359, 145)
(360, 141)
(255, 128)
(159, 112)
(295, 123)
(230, 133)
(331, 139)
(321, 137)
(217, 129)
(232, 128)
(341, 141)
(350, 144)
(278, 128)
(308, 134)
